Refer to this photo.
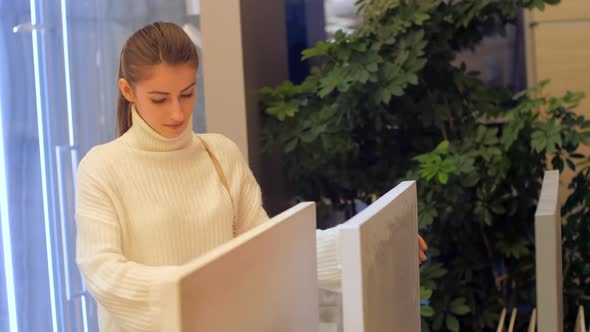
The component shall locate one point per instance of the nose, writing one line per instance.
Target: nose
(176, 111)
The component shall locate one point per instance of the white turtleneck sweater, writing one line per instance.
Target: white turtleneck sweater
(147, 204)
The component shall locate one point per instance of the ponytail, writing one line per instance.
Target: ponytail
(123, 115)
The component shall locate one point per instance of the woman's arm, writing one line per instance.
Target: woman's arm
(127, 290)
(328, 255)
(250, 210)
(251, 213)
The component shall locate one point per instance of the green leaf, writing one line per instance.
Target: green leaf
(321, 48)
(419, 18)
(447, 166)
(437, 273)
(426, 215)
(443, 178)
(470, 180)
(458, 307)
(497, 208)
(464, 164)
(577, 156)
(514, 249)
(532, 91)
(571, 164)
(557, 163)
(372, 67)
(291, 145)
(546, 137)
(426, 311)
(452, 323)
(282, 111)
(425, 293)
(442, 147)
(310, 135)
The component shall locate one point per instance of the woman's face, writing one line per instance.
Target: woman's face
(165, 99)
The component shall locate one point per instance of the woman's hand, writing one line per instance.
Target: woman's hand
(422, 247)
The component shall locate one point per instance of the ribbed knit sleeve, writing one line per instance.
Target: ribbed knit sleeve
(328, 254)
(128, 291)
(251, 213)
(250, 210)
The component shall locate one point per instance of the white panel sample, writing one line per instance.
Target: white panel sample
(548, 256)
(380, 273)
(263, 280)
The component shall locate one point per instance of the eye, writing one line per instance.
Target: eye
(158, 101)
(188, 95)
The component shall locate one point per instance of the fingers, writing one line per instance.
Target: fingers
(422, 248)
(422, 243)
(422, 256)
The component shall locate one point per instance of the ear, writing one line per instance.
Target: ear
(126, 90)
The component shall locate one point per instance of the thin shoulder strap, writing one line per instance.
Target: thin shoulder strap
(223, 180)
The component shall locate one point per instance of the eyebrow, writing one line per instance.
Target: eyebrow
(167, 93)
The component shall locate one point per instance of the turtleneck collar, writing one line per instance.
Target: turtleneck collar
(143, 137)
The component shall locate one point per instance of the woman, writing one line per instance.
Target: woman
(159, 195)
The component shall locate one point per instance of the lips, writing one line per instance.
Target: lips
(175, 126)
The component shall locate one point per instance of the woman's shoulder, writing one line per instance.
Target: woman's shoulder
(221, 144)
(227, 153)
(100, 157)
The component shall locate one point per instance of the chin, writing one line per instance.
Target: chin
(173, 133)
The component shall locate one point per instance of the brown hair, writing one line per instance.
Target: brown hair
(157, 43)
